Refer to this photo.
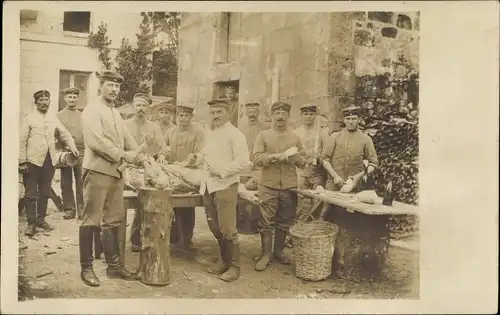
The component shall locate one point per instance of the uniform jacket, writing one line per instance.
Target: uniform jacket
(106, 138)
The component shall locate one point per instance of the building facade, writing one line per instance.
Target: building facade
(55, 55)
(295, 57)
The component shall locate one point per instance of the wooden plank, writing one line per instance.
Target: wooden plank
(178, 200)
(349, 201)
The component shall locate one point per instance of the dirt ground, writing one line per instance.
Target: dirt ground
(57, 252)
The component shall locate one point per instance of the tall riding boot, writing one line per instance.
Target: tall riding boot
(112, 255)
(279, 244)
(266, 239)
(223, 266)
(233, 258)
(97, 242)
(41, 212)
(135, 232)
(86, 235)
(30, 207)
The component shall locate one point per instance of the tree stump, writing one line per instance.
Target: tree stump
(364, 241)
(157, 214)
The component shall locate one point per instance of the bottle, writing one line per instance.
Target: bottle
(388, 194)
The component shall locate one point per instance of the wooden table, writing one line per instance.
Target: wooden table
(130, 202)
(364, 234)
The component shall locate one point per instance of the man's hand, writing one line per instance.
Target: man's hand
(23, 168)
(337, 180)
(130, 156)
(213, 172)
(75, 152)
(162, 159)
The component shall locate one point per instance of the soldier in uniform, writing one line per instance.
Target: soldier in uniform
(165, 112)
(70, 117)
(37, 159)
(312, 138)
(343, 156)
(141, 129)
(226, 155)
(278, 177)
(252, 125)
(185, 141)
(108, 144)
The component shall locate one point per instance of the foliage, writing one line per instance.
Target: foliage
(135, 63)
(100, 41)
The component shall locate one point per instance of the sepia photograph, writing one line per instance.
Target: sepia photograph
(219, 155)
(236, 154)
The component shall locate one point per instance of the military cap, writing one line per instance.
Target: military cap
(111, 76)
(72, 90)
(281, 106)
(164, 105)
(141, 97)
(351, 111)
(219, 103)
(185, 108)
(309, 108)
(252, 105)
(41, 93)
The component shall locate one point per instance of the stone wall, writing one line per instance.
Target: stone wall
(281, 56)
(46, 49)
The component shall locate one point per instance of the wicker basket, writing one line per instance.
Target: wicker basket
(313, 244)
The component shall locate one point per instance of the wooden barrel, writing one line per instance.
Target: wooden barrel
(248, 217)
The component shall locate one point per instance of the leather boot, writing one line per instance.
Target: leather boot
(30, 208)
(279, 244)
(223, 265)
(69, 214)
(86, 235)
(97, 242)
(233, 258)
(112, 256)
(266, 239)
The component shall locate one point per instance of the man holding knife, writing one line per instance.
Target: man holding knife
(107, 146)
(278, 177)
(343, 157)
(226, 155)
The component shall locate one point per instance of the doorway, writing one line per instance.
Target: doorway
(229, 90)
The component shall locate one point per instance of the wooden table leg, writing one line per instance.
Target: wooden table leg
(364, 242)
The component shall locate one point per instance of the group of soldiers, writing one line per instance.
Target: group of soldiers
(103, 142)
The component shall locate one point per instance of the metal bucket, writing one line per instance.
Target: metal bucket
(66, 159)
(248, 217)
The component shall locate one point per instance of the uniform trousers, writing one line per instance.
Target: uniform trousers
(220, 209)
(103, 200)
(278, 209)
(68, 196)
(38, 183)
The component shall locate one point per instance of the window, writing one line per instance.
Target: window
(76, 79)
(77, 21)
(28, 17)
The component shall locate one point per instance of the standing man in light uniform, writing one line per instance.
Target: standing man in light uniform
(70, 117)
(107, 145)
(226, 156)
(37, 159)
(142, 130)
(184, 140)
(252, 125)
(277, 179)
(343, 157)
(312, 138)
